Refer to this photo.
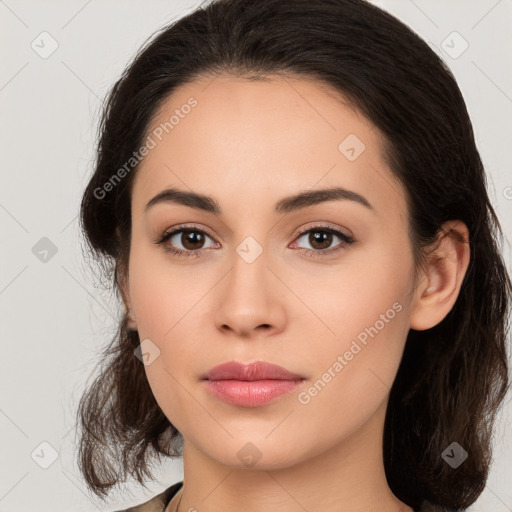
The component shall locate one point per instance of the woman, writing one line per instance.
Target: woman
(290, 202)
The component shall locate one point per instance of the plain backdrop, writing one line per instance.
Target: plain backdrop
(59, 59)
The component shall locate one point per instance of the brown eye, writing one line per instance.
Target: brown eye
(192, 239)
(188, 241)
(321, 238)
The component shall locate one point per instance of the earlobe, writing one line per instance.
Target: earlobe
(122, 284)
(132, 323)
(440, 282)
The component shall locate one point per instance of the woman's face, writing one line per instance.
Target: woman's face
(262, 284)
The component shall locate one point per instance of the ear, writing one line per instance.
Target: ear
(440, 282)
(123, 285)
(124, 289)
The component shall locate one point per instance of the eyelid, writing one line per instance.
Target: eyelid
(322, 225)
(183, 227)
(316, 224)
(346, 239)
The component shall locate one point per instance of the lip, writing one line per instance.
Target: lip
(259, 370)
(250, 385)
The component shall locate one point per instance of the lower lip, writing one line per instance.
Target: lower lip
(250, 393)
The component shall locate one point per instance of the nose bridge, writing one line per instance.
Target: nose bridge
(248, 297)
(249, 273)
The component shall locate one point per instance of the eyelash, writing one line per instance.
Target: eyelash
(346, 240)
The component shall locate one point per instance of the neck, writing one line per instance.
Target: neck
(346, 477)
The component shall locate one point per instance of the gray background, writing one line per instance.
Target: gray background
(55, 316)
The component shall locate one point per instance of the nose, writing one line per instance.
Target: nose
(251, 300)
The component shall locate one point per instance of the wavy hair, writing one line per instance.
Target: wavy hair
(453, 377)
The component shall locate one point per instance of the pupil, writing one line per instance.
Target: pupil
(191, 237)
(321, 237)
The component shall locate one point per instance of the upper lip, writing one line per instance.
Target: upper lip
(259, 370)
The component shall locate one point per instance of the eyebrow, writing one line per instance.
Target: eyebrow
(285, 205)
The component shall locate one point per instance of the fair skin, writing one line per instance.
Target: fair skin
(248, 144)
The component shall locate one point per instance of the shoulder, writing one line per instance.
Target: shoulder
(158, 502)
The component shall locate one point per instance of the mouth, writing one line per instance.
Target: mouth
(250, 385)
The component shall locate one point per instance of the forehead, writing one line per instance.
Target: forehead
(252, 139)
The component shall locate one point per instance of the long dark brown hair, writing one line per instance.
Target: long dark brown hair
(453, 377)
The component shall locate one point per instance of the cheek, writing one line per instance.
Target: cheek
(364, 298)
(165, 299)
(354, 372)
(368, 313)
(155, 290)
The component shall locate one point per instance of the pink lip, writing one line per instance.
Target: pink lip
(259, 370)
(250, 385)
